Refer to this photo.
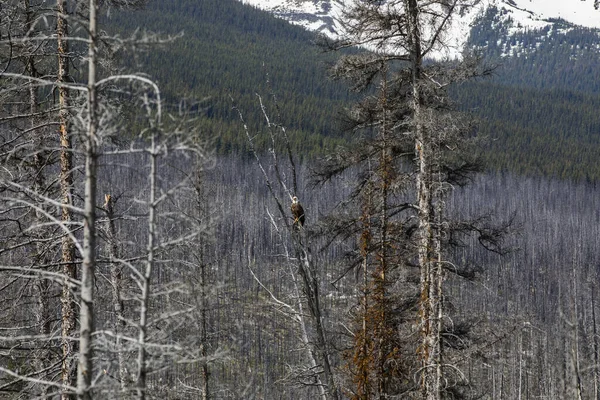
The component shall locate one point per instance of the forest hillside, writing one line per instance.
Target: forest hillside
(198, 202)
(538, 109)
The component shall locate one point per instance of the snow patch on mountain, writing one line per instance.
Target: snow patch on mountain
(577, 12)
(316, 15)
(519, 16)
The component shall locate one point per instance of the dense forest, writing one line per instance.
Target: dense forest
(540, 106)
(149, 153)
(231, 52)
(232, 46)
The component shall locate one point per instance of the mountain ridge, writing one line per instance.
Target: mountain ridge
(322, 16)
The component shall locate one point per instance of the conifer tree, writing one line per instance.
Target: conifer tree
(424, 145)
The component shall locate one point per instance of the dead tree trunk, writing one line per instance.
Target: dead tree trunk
(41, 285)
(69, 348)
(204, 212)
(204, 333)
(574, 325)
(146, 277)
(311, 288)
(361, 356)
(200, 252)
(116, 279)
(86, 328)
(595, 346)
(429, 351)
(318, 347)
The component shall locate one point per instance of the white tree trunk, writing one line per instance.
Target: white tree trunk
(429, 351)
(86, 329)
(145, 284)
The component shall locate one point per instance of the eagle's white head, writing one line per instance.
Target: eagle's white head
(294, 200)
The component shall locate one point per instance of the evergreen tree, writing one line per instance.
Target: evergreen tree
(417, 148)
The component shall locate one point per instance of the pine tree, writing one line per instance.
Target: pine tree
(425, 150)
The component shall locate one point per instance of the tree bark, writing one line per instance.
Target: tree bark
(595, 345)
(116, 278)
(86, 328)
(381, 281)
(311, 287)
(204, 333)
(429, 352)
(200, 253)
(42, 286)
(145, 297)
(69, 348)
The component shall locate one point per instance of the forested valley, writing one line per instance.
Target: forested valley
(149, 152)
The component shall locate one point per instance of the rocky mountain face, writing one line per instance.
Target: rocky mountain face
(315, 15)
(510, 17)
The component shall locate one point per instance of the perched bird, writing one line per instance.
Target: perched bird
(297, 212)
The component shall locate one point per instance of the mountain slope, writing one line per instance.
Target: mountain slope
(520, 15)
(229, 54)
(526, 14)
(539, 111)
(315, 15)
(558, 56)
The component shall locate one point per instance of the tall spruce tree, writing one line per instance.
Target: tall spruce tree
(415, 149)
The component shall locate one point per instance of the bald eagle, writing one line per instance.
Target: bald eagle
(297, 212)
